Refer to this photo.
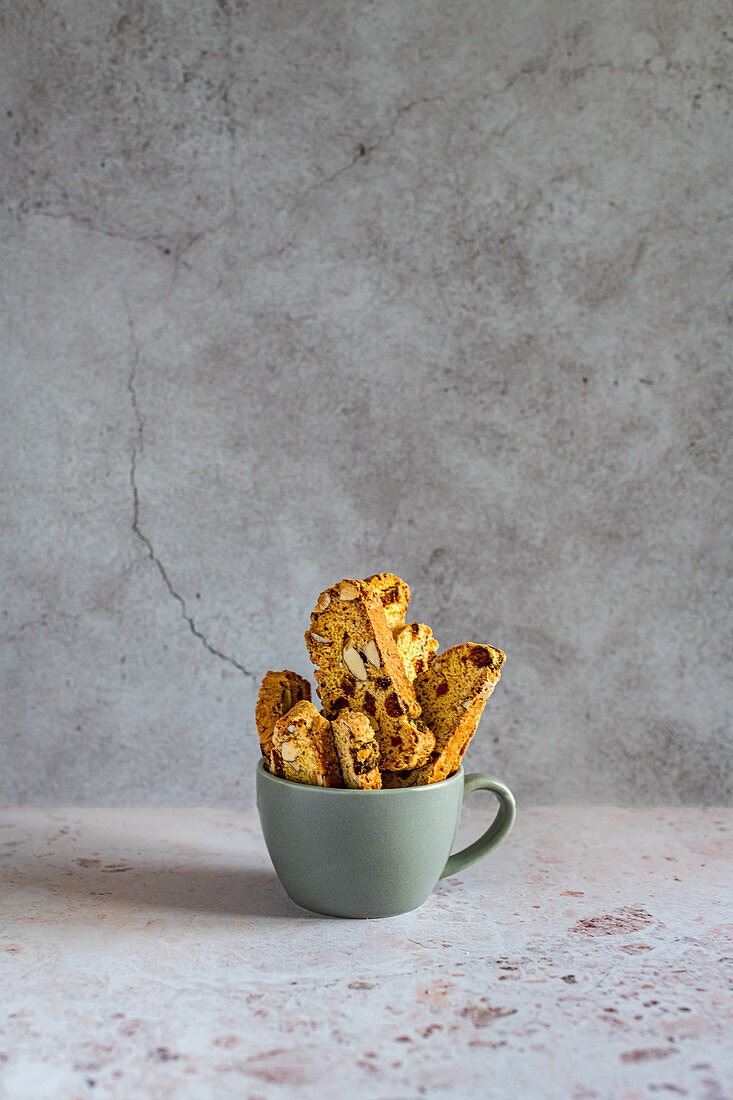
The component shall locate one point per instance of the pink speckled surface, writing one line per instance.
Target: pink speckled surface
(153, 953)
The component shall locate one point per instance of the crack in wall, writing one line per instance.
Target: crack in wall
(157, 241)
(325, 181)
(137, 450)
(407, 107)
(362, 151)
(174, 246)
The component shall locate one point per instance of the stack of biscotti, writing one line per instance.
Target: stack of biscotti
(395, 712)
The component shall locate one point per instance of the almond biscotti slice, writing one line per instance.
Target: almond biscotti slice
(452, 693)
(303, 750)
(416, 646)
(394, 594)
(279, 691)
(358, 667)
(357, 750)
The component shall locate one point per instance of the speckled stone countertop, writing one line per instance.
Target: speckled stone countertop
(153, 954)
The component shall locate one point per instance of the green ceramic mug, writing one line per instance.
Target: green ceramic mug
(371, 853)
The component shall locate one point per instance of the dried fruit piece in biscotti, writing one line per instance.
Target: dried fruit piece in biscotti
(416, 646)
(303, 749)
(358, 667)
(394, 594)
(279, 691)
(357, 750)
(453, 693)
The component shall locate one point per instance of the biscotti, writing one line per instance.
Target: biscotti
(279, 691)
(394, 595)
(452, 693)
(358, 667)
(395, 712)
(417, 646)
(303, 750)
(357, 750)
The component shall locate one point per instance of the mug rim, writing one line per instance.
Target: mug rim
(348, 791)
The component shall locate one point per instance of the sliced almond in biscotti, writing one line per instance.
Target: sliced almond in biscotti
(358, 751)
(394, 595)
(416, 646)
(279, 691)
(358, 667)
(452, 693)
(303, 750)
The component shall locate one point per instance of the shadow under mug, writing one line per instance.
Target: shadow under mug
(350, 853)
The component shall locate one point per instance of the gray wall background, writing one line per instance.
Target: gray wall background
(293, 292)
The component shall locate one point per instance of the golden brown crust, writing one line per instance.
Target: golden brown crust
(279, 691)
(358, 667)
(416, 646)
(303, 750)
(394, 595)
(357, 750)
(453, 693)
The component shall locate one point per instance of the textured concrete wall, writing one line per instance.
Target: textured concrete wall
(302, 291)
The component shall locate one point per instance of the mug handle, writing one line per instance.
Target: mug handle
(497, 830)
